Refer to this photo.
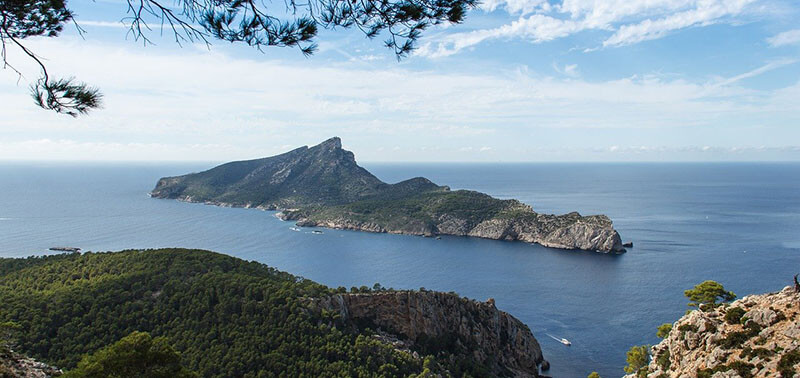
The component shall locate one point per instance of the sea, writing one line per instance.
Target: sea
(736, 223)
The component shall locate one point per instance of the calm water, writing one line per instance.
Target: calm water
(734, 223)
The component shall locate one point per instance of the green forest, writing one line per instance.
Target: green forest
(224, 316)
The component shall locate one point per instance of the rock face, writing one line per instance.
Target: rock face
(15, 365)
(324, 186)
(756, 336)
(477, 330)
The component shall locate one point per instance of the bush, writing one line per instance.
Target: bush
(637, 358)
(663, 360)
(663, 330)
(787, 363)
(593, 375)
(734, 315)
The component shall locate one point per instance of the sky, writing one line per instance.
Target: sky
(518, 81)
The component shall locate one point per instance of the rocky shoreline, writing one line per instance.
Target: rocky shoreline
(593, 233)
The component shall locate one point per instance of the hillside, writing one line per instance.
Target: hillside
(324, 186)
(756, 336)
(229, 317)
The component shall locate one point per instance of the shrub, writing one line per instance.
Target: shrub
(637, 358)
(734, 315)
(787, 363)
(663, 360)
(663, 330)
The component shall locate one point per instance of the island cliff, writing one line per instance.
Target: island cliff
(324, 186)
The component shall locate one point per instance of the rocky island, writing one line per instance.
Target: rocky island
(324, 186)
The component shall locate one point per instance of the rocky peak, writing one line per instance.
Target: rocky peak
(756, 336)
(331, 144)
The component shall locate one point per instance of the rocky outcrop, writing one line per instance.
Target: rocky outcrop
(756, 336)
(418, 319)
(325, 187)
(15, 365)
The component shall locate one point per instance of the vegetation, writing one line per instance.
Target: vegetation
(637, 359)
(708, 293)
(136, 355)
(663, 360)
(663, 330)
(734, 315)
(593, 375)
(251, 22)
(741, 368)
(736, 339)
(787, 363)
(225, 316)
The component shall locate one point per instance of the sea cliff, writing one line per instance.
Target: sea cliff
(420, 320)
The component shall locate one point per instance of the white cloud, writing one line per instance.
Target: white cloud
(630, 21)
(200, 105)
(758, 71)
(702, 14)
(570, 70)
(790, 37)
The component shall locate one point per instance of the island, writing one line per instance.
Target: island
(323, 186)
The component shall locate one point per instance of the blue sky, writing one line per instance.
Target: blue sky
(520, 80)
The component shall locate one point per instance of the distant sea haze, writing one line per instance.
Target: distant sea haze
(731, 222)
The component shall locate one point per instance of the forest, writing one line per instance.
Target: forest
(226, 317)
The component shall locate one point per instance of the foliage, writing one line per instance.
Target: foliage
(135, 355)
(8, 333)
(708, 293)
(593, 375)
(227, 317)
(637, 359)
(663, 360)
(20, 19)
(734, 315)
(787, 363)
(736, 339)
(663, 330)
(741, 368)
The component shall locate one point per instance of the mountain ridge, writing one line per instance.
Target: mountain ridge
(324, 186)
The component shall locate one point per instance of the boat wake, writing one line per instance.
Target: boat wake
(561, 340)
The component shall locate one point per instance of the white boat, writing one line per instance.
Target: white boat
(316, 232)
(294, 228)
(565, 342)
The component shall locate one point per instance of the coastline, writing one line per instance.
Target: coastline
(607, 241)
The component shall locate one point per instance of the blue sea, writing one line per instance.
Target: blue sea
(737, 223)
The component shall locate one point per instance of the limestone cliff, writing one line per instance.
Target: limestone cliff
(756, 336)
(418, 319)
